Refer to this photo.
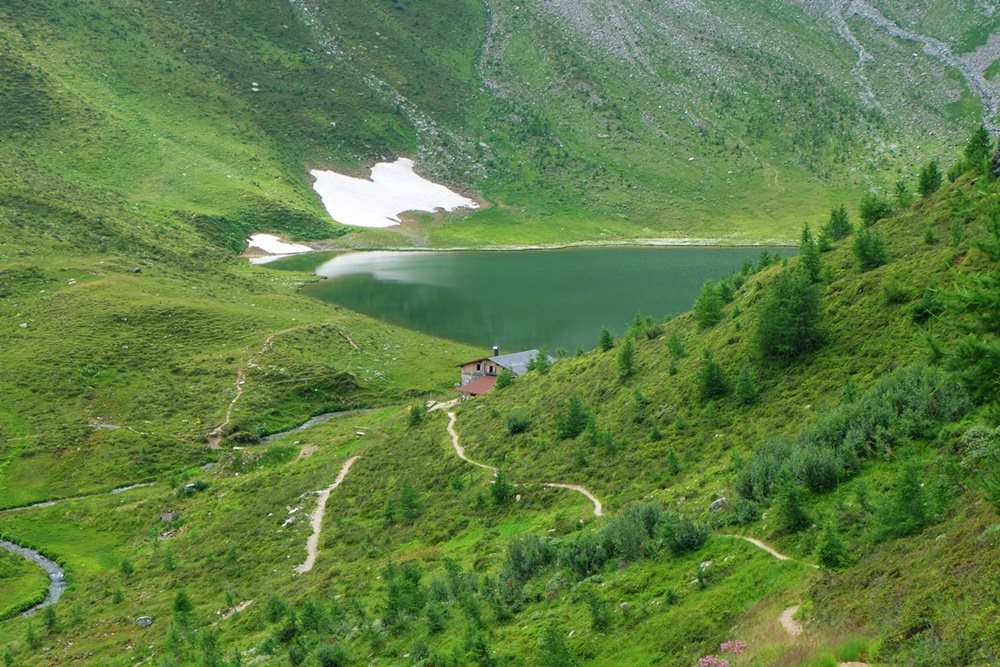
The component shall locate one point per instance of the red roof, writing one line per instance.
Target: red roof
(480, 385)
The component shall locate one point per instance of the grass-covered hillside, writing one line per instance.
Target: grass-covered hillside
(123, 124)
(843, 403)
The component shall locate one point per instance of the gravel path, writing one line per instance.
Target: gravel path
(316, 519)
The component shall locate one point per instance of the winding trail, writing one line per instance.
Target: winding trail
(452, 418)
(215, 435)
(461, 450)
(316, 519)
(57, 578)
(598, 507)
(788, 622)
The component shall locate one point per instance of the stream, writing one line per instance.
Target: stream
(57, 578)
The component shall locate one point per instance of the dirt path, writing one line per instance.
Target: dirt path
(791, 626)
(763, 546)
(598, 507)
(215, 436)
(460, 450)
(316, 519)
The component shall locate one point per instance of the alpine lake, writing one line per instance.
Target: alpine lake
(552, 299)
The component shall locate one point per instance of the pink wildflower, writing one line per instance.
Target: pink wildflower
(734, 646)
(712, 661)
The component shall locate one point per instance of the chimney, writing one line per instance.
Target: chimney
(496, 350)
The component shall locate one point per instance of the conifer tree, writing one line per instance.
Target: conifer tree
(839, 225)
(809, 260)
(873, 208)
(571, 421)
(903, 195)
(789, 505)
(869, 250)
(976, 305)
(930, 179)
(626, 359)
(746, 386)
(712, 378)
(978, 150)
(830, 549)
(606, 340)
(791, 318)
(708, 305)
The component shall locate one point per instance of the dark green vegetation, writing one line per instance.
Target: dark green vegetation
(854, 451)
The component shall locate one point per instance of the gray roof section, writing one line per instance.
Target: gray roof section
(516, 362)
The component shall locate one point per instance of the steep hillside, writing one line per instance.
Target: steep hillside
(593, 542)
(574, 121)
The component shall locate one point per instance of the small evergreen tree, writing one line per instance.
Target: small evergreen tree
(502, 490)
(839, 225)
(746, 386)
(626, 359)
(791, 318)
(930, 179)
(979, 150)
(903, 195)
(50, 619)
(410, 504)
(540, 362)
(869, 250)
(873, 208)
(554, 651)
(571, 421)
(708, 306)
(606, 340)
(675, 346)
(712, 378)
(830, 549)
(809, 255)
(906, 511)
(976, 306)
(416, 414)
(789, 505)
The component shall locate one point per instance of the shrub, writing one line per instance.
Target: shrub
(681, 535)
(818, 468)
(502, 490)
(584, 555)
(830, 549)
(416, 414)
(333, 655)
(894, 293)
(789, 506)
(518, 421)
(675, 346)
(505, 378)
(528, 555)
(905, 513)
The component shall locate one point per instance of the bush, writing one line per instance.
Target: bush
(746, 386)
(894, 293)
(681, 535)
(416, 414)
(585, 555)
(518, 421)
(333, 655)
(505, 378)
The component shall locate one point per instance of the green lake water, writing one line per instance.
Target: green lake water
(524, 299)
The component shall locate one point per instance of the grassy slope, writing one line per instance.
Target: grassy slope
(233, 547)
(162, 133)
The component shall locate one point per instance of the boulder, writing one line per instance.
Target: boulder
(719, 505)
(144, 621)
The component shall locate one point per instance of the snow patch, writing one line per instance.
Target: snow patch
(273, 245)
(377, 202)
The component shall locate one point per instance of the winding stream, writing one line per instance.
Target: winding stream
(57, 578)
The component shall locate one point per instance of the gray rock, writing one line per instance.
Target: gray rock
(719, 505)
(135, 269)
(144, 621)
